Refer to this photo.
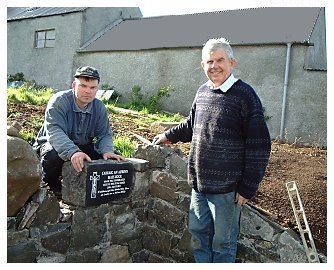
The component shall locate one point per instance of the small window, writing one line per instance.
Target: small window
(45, 39)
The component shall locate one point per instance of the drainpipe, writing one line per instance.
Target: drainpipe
(286, 79)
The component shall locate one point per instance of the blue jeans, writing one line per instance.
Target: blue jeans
(214, 226)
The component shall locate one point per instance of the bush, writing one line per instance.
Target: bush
(153, 104)
(16, 77)
(136, 99)
(124, 146)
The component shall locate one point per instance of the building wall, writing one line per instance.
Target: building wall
(263, 67)
(54, 66)
(96, 18)
(47, 66)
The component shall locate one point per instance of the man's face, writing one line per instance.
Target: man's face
(85, 90)
(217, 66)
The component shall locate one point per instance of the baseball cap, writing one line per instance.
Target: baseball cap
(87, 72)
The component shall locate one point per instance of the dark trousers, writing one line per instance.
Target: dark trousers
(52, 164)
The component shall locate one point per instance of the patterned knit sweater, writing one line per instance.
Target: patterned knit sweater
(230, 140)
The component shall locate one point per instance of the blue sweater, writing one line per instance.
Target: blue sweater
(66, 126)
(230, 141)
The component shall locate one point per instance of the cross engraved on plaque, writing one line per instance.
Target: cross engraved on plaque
(95, 177)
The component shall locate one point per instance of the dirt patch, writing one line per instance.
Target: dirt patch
(305, 165)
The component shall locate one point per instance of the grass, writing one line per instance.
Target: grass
(25, 94)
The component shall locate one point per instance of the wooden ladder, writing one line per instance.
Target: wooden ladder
(303, 227)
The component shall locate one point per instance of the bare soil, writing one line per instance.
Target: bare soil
(307, 166)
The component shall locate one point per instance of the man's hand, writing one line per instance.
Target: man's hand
(114, 156)
(77, 160)
(161, 138)
(240, 200)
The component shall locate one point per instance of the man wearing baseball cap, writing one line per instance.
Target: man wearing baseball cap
(76, 128)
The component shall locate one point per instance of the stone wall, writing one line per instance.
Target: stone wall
(150, 225)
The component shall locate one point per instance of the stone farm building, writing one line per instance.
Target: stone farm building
(280, 51)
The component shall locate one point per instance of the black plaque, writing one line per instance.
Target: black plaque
(108, 181)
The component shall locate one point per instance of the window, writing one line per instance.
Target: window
(45, 39)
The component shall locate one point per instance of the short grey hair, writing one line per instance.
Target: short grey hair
(215, 44)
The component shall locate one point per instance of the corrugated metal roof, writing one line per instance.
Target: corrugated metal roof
(248, 26)
(19, 13)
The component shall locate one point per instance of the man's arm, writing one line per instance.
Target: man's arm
(257, 147)
(56, 126)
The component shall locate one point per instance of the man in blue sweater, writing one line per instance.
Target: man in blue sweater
(76, 128)
(230, 148)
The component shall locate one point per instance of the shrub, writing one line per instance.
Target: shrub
(124, 146)
(16, 77)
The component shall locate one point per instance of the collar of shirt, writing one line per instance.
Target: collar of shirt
(225, 86)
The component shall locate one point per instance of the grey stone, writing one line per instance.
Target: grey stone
(184, 186)
(140, 257)
(11, 223)
(29, 215)
(168, 217)
(48, 211)
(165, 179)
(85, 256)
(141, 185)
(74, 185)
(181, 257)
(153, 154)
(88, 227)
(43, 231)
(178, 166)
(57, 242)
(135, 246)
(140, 165)
(116, 254)
(51, 259)
(252, 225)
(291, 250)
(14, 237)
(246, 252)
(121, 228)
(154, 258)
(13, 132)
(184, 243)
(254, 250)
(25, 252)
(183, 202)
(23, 174)
(156, 241)
(163, 192)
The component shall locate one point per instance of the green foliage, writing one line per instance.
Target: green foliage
(28, 136)
(136, 99)
(111, 108)
(163, 117)
(153, 103)
(107, 86)
(29, 95)
(124, 145)
(16, 77)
